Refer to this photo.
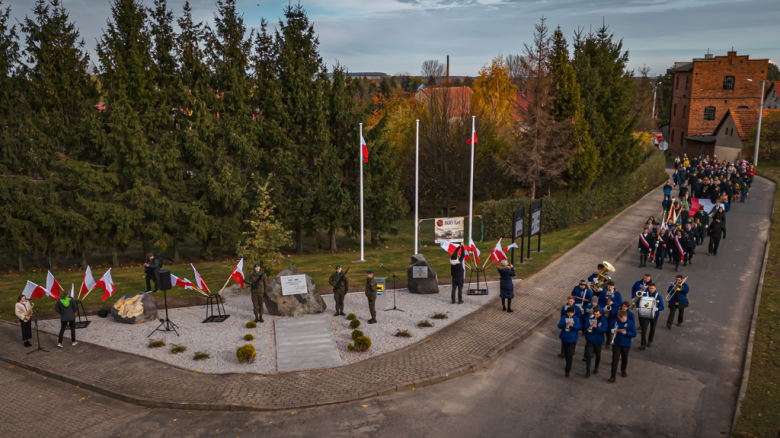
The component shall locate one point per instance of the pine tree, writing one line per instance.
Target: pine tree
(265, 235)
(584, 166)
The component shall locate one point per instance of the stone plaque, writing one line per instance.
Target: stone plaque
(294, 284)
(420, 271)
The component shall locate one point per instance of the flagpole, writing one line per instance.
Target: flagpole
(360, 159)
(471, 181)
(416, 188)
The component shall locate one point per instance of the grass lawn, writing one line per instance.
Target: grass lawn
(393, 253)
(761, 407)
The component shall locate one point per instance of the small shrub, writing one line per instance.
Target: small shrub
(351, 317)
(176, 349)
(201, 355)
(403, 334)
(251, 324)
(423, 324)
(362, 343)
(356, 334)
(354, 324)
(246, 353)
(249, 338)
(351, 347)
(156, 344)
(439, 316)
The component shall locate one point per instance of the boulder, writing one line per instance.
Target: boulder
(293, 305)
(135, 309)
(417, 285)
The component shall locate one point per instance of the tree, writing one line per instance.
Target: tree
(265, 235)
(583, 168)
(542, 147)
(432, 70)
(494, 93)
(770, 137)
(643, 101)
(515, 65)
(663, 109)
(773, 73)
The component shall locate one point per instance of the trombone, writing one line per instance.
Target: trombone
(677, 288)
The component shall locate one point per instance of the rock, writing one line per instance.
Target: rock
(293, 305)
(428, 285)
(135, 309)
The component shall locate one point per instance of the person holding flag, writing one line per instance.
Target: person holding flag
(258, 282)
(458, 272)
(66, 307)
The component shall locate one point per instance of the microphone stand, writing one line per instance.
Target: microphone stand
(394, 289)
(37, 334)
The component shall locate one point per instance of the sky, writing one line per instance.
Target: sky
(396, 36)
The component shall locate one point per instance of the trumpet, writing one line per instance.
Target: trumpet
(29, 312)
(677, 288)
(608, 307)
(591, 323)
(614, 334)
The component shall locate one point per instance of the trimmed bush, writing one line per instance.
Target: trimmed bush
(351, 347)
(423, 324)
(251, 324)
(351, 317)
(249, 338)
(439, 316)
(362, 343)
(356, 334)
(156, 344)
(201, 355)
(246, 353)
(403, 334)
(354, 324)
(176, 349)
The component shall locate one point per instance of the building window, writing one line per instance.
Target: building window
(672, 136)
(677, 86)
(728, 83)
(685, 110)
(687, 79)
(674, 111)
(709, 113)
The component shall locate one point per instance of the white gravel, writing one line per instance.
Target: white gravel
(221, 340)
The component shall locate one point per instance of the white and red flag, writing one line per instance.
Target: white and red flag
(513, 245)
(88, 283)
(199, 280)
(474, 250)
(497, 254)
(238, 273)
(106, 283)
(449, 247)
(53, 286)
(697, 202)
(32, 290)
(181, 282)
(364, 148)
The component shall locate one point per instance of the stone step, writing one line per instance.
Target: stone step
(305, 342)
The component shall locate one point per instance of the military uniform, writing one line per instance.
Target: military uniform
(340, 284)
(371, 295)
(258, 282)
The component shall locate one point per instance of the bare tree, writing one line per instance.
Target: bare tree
(432, 70)
(516, 72)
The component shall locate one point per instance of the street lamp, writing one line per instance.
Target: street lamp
(760, 116)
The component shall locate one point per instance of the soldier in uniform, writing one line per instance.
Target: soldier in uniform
(371, 295)
(257, 284)
(340, 284)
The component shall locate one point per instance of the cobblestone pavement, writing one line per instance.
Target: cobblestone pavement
(471, 344)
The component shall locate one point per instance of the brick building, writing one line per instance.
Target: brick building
(703, 91)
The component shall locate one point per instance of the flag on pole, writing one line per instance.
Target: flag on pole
(238, 273)
(199, 280)
(107, 284)
(182, 283)
(497, 254)
(32, 290)
(450, 248)
(474, 250)
(52, 286)
(364, 148)
(89, 282)
(476, 140)
(697, 202)
(513, 245)
(72, 290)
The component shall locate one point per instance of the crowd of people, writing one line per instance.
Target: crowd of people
(706, 188)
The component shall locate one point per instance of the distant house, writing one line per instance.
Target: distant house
(771, 99)
(734, 129)
(520, 107)
(457, 100)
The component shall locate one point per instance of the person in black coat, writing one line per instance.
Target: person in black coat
(506, 271)
(661, 246)
(457, 271)
(152, 270)
(678, 248)
(646, 245)
(66, 307)
(690, 237)
(716, 231)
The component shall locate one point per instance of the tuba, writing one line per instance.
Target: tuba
(601, 277)
(677, 288)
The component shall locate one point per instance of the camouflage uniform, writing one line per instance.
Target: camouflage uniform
(371, 295)
(340, 290)
(257, 284)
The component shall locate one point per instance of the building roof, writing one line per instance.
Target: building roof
(772, 84)
(744, 120)
(458, 98)
(522, 101)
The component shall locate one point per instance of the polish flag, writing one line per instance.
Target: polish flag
(182, 283)
(513, 245)
(474, 138)
(199, 280)
(53, 286)
(107, 284)
(364, 148)
(497, 254)
(450, 248)
(32, 290)
(696, 203)
(238, 273)
(89, 282)
(474, 250)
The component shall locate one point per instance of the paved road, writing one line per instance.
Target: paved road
(684, 386)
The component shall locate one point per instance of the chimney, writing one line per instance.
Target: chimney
(448, 69)
(708, 56)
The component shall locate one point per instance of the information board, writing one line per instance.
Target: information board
(448, 229)
(536, 222)
(294, 284)
(519, 222)
(419, 271)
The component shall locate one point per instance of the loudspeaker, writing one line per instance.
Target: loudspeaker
(165, 279)
(103, 313)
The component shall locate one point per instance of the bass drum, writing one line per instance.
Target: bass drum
(646, 307)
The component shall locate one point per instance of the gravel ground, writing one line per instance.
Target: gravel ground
(221, 340)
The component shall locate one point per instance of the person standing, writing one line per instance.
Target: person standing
(569, 326)
(660, 249)
(578, 314)
(340, 283)
(648, 317)
(21, 309)
(371, 295)
(689, 240)
(582, 294)
(66, 307)
(506, 271)
(624, 330)
(611, 299)
(646, 245)
(152, 270)
(678, 250)
(458, 273)
(258, 284)
(595, 329)
(679, 301)
(716, 232)
(704, 219)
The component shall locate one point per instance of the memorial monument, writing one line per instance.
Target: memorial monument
(293, 294)
(421, 276)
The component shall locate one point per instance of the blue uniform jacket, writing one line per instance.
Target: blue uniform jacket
(637, 286)
(683, 294)
(592, 277)
(597, 335)
(571, 335)
(617, 300)
(629, 327)
(577, 311)
(579, 299)
(659, 304)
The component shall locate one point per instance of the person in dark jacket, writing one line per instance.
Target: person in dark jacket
(667, 189)
(582, 294)
(506, 271)
(690, 237)
(648, 324)
(716, 232)
(666, 204)
(569, 326)
(678, 249)
(679, 301)
(704, 219)
(66, 307)
(258, 284)
(595, 328)
(661, 246)
(624, 331)
(340, 283)
(457, 271)
(610, 298)
(152, 270)
(646, 245)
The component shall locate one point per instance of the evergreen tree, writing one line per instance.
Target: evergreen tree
(584, 166)
(265, 235)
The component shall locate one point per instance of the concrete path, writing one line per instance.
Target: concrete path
(305, 342)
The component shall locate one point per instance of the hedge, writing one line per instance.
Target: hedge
(565, 209)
